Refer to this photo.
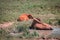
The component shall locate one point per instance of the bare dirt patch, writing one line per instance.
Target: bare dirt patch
(6, 24)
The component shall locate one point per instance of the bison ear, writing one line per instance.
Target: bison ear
(30, 16)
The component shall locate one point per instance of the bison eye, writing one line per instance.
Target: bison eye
(30, 16)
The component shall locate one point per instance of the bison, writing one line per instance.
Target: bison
(36, 24)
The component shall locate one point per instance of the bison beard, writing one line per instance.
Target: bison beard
(40, 25)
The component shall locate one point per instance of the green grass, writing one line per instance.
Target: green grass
(47, 10)
(11, 9)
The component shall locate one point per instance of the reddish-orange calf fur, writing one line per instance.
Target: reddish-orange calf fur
(25, 17)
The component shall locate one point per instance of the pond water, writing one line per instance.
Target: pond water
(50, 33)
(55, 32)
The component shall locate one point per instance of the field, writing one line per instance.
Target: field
(47, 10)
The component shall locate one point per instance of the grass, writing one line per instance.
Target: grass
(5, 34)
(47, 10)
(11, 9)
(22, 28)
(26, 33)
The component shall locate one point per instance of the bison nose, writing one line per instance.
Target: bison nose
(18, 19)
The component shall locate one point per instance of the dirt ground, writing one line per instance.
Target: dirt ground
(45, 33)
(6, 24)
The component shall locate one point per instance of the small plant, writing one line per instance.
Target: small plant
(35, 34)
(4, 34)
(22, 28)
(58, 22)
(30, 35)
(50, 22)
(26, 33)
